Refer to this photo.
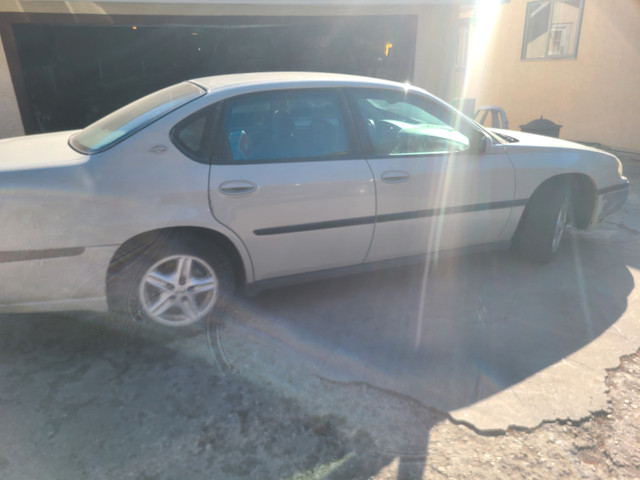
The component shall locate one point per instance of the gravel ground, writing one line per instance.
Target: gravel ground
(606, 445)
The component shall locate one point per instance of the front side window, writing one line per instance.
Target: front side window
(552, 28)
(395, 124)
(285, 126)
(133, 117)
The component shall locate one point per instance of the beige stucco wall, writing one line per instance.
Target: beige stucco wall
(433, 62)
(436, 50)
(595, 96)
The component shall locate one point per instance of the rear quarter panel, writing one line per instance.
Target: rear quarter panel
(111, 197)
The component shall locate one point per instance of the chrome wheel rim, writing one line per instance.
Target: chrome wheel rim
(178, 290)
(561, 222)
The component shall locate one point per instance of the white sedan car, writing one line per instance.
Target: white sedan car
(162, 208)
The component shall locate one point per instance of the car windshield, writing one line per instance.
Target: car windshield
(133, 117)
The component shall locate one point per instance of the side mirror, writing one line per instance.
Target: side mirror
(479, 143)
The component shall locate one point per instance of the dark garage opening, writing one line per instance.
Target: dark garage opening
(75, 74)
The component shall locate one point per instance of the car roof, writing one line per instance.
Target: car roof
(265, 80)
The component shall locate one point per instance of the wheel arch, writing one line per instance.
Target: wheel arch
(136, 245)
(583, 194)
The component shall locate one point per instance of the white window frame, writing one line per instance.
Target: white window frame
(551, 26)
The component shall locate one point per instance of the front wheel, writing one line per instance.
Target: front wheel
(175, 285)
(543, 224)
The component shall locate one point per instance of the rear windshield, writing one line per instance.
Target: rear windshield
(129, 119)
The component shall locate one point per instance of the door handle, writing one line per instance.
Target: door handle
(395, 176)
(237, 187)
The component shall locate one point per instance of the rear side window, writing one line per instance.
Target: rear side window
(194, 135)
(285, 126)
(131, 118)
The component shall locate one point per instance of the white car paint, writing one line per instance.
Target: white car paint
(298, 194)
(447, 184)
(64, 214)
(48, 150)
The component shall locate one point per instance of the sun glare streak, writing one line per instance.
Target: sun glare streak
(485, 17)
(423, 299)
(73, 8)
(584, 304)
(484, 20)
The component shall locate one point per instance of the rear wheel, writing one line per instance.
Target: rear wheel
(176, 283)
(543, 224)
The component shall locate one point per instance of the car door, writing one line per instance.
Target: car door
(435, 191)
(287, 178)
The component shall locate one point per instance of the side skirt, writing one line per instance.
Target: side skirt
(269, 283)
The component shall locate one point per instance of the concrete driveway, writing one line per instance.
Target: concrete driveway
(485, 340)
(489, 339)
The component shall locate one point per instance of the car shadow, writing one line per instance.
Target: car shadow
(89, 396)
(447, 335)
(469, 326)
(346, 376)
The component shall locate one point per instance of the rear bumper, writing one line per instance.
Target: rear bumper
(51, 280)
(611, 199)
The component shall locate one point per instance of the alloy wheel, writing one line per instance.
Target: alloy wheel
(178, 290)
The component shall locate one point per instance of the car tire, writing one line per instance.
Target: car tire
(175, 283)
(543, 224)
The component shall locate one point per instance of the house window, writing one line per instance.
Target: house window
(552, 28)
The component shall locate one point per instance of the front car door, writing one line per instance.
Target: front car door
(434, 190)
(288, 179)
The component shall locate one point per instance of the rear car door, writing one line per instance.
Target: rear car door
(288, 179)
(435, 190)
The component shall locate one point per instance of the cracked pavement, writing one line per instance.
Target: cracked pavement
(494, 343)
(501, 370)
